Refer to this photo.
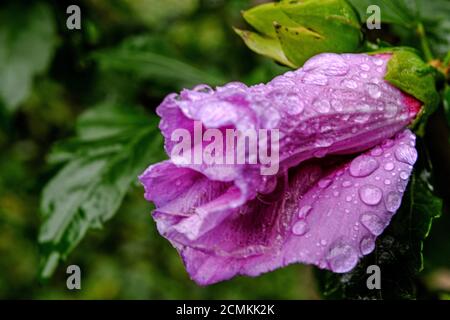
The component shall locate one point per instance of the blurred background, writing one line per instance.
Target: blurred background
(130, 53)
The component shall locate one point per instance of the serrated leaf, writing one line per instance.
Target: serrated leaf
(112, 146)
(398, 251)
(27, 43)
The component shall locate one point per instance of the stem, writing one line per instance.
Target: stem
(424, 42)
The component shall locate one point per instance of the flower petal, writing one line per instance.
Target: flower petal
(335, 104)
(325, 213)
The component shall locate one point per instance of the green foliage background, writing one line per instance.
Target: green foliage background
(77, 125)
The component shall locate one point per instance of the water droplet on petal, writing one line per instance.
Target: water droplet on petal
(203, 88)
(367, 245)
(363, 166)
(365, 67)
(346, 183)
(393, 201)
(406, 154)
(294, 105)
(326, 142)
(300, 228)
(390, 110)
(373, 223)
(389, 166)
(324, 183)
(321, 105)
(321, 153)
(377, 151)
(370, 194)
(374, 90)
(315, 78)
(342, 258)
(351, 84)
(304, 211)
(404, 175)
(378, 61)
(361, 119)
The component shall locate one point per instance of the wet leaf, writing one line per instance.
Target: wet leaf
(112, 146)
(27, 42)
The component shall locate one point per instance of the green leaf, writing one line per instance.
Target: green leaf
(112, 146)
(399, 12)
(408, 72)
(406, 16)
(446, 100)
(136, 56)
(266, 46)
(262, 18)
(27, 42)
(398, 251)
(291, 32)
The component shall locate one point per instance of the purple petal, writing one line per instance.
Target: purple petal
(335, 104)
(324, 212)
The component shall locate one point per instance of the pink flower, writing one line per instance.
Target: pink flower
(345, 158)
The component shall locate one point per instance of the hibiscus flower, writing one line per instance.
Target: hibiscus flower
(345, 158)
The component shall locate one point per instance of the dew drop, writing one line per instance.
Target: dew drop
(322, 143)
(363, 166)
(315, 78)
(304, 211)
(337, 105)
(378, 61)
(373, 223)
(389, 166)
(377, 151)
(362, 118)
(294, 105)
(367, 245)
(324, 183)
(322, 105)
(342, 258)
(351, 84)
(337, 68)
(370, 194)
(346, 183)
(390, 110)
(404, 175)
(393, 201)
(321, 153)
(406, 154)
(300, 228)
(374, 90)
(365, 67)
